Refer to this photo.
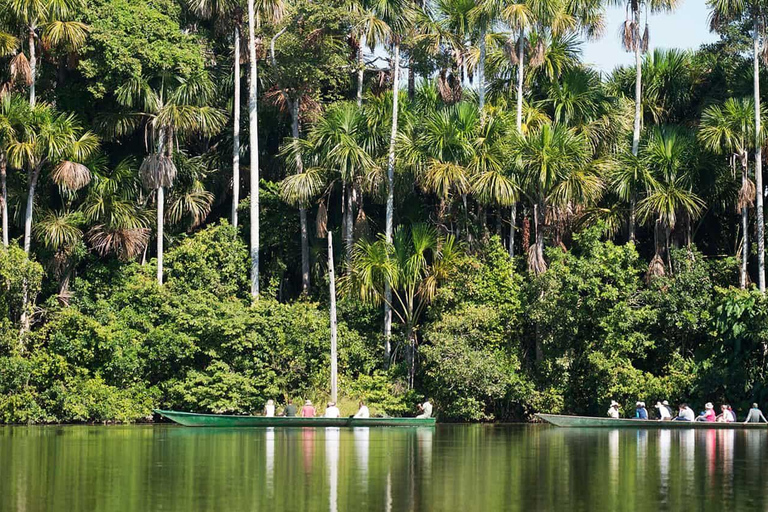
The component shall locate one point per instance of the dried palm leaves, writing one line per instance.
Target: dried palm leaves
(655, 269)
(20, 69)
(71, 175)
(321, 221)
(157, 170)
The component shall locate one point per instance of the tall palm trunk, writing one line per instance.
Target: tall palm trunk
(519, 125)
(520, 75)
(34, 176)
(349, 231)
(636, 128)
(160, 231)
(161, 149)
(745, 230)
(391, 193)
(512, 221)
(4, 197)
(334, 323)
(32, 65)
(305, 283)
(236, 133)
(758, 163)
(253, 138)
(481, 72)
(361, 68)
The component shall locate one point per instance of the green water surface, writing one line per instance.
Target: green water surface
(449, 468)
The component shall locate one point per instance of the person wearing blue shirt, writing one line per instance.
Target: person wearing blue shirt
(641, 413)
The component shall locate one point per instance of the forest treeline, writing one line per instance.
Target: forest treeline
(515, 230)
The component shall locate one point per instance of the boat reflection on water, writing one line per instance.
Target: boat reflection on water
(362, 437)
(664, 450)
(475, 468)
(269, 455)
(332, 435)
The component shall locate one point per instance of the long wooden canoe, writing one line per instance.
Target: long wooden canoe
(593, 422)
(190, 419)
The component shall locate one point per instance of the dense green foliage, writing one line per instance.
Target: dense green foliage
(546, 259)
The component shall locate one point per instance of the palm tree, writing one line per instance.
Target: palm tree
(170, 107)
(437, 146)
(412, 266)
(228, 15)
(271, 11)
(342, 140)
(728, 128)
(44, 21)
(636, 41)
(52, 140)
(396, 15)
(60, 232)
(669, 153)
(556, 171)
(723, 12)
(14, 114)
(119, 223)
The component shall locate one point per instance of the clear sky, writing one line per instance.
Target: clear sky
(686, 28)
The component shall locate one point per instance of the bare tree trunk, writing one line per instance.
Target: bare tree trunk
(540, 215)
(32, 65)
(305, 278)
(332, 281)
(361, 68)
(758, 162)
(253, 137)
(481, 72)
(744, 247)
(29, 210)
(349, 241)
(160, 217)
(391, 193)
(519, 124)
(638, 103)
(512, 222)
(4, 196)
(236, 134)
(520, 75)
(411, 357)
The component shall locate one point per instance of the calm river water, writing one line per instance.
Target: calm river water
(449, 468)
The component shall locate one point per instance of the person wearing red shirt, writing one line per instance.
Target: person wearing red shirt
(308, 411)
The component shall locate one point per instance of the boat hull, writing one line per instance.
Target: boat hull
(189, 419)
(591, 422)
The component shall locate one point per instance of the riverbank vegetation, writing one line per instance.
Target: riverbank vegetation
(515, 231)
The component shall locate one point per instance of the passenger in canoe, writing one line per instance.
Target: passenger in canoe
(664, 412)
(641, 413)
(308, 411)
(426, 410)
(727, 415)
(269, 409)
(331, 411)
(685, 413)
(290, 409)
(755, 415)
(613, 410)
(362, 411)
(708, 414)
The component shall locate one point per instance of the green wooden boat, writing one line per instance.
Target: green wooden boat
(190, 419)
(591, 422)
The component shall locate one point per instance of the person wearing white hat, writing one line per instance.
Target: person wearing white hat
(269, 409)
(664, 412)
(708, 414)
(613, 411)
(332, 411)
